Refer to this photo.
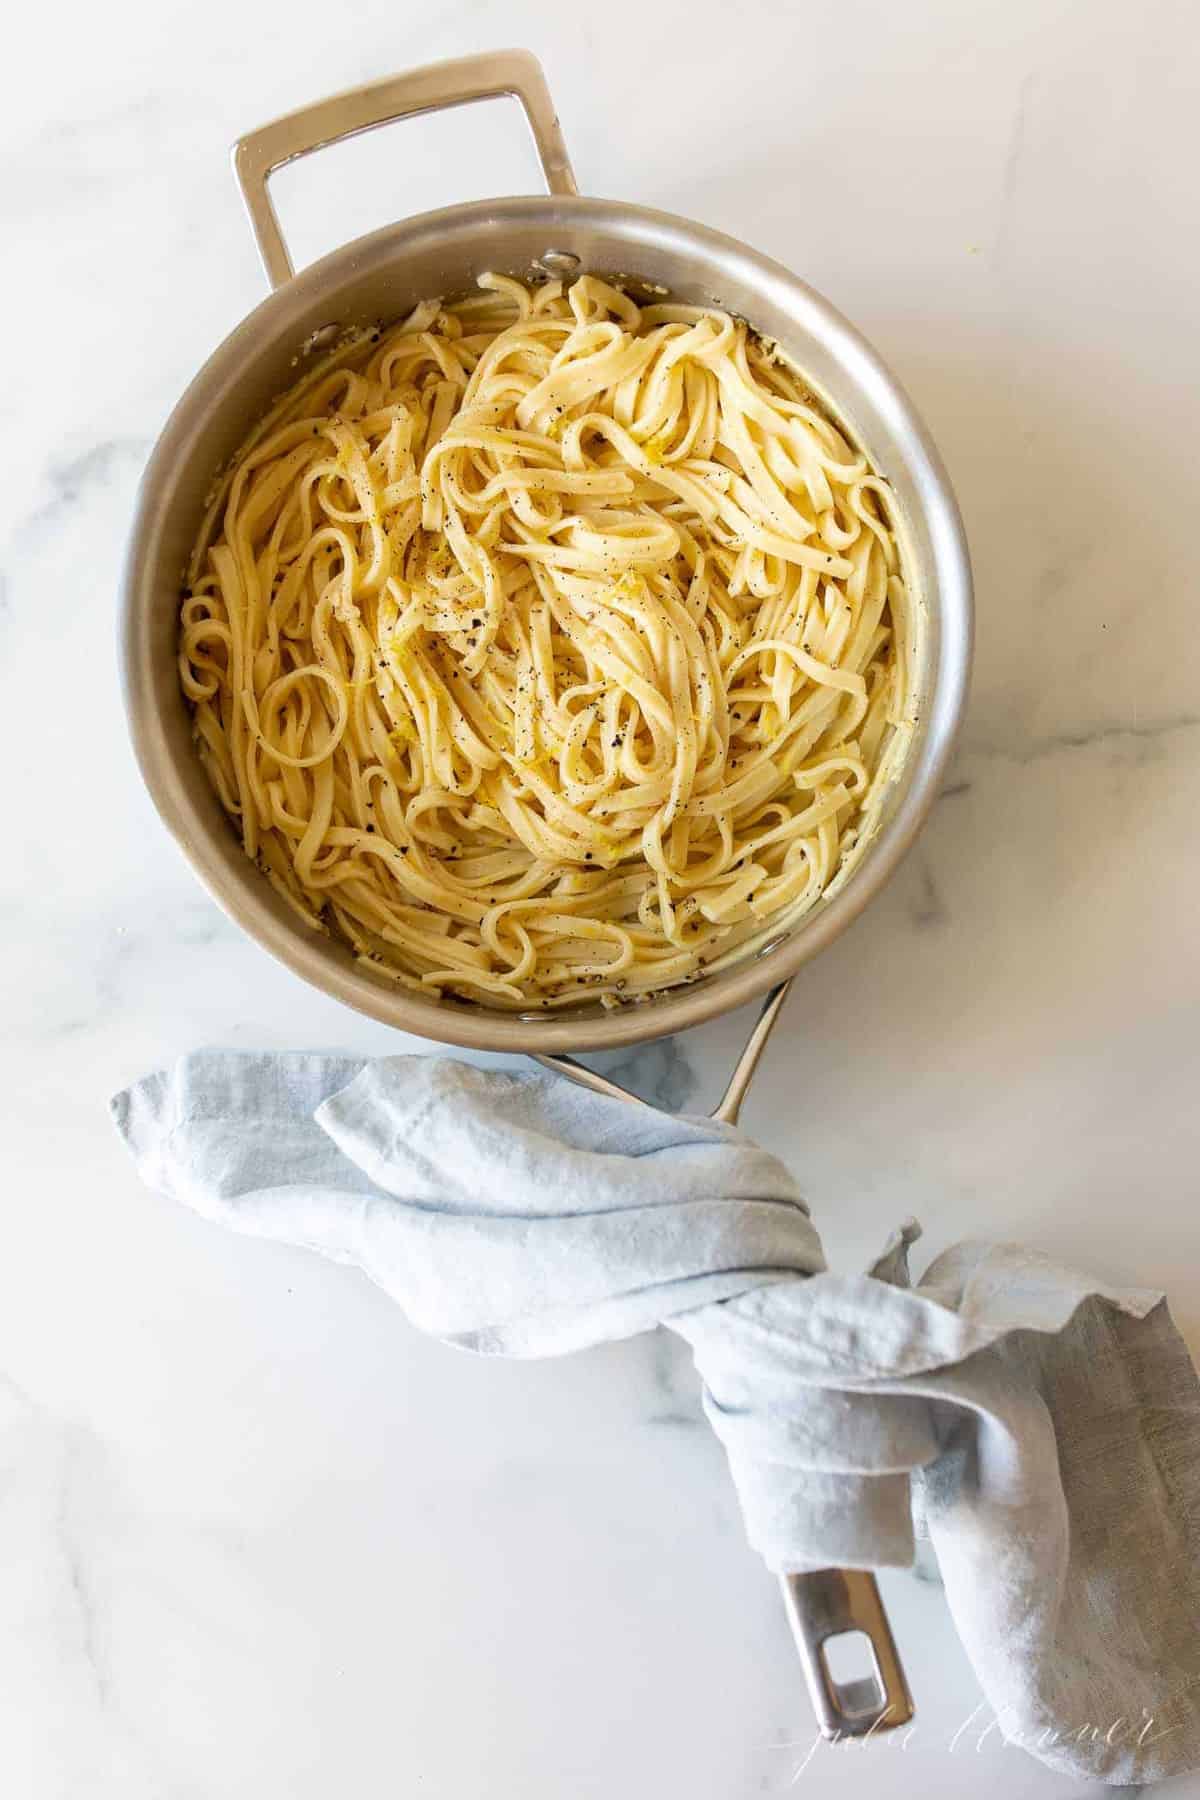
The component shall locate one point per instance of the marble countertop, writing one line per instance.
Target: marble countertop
(257, 1538)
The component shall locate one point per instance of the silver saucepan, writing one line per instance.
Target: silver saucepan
(382, 276)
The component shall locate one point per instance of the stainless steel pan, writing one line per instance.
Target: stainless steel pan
(382, 276)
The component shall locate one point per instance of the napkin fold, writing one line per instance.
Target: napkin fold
(1051, 1423)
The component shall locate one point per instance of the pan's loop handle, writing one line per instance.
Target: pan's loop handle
(730, 1103)
(495, 75)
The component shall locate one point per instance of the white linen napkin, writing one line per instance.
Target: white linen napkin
(1052, 1423)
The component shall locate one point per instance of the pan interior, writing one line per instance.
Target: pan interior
(379, 279)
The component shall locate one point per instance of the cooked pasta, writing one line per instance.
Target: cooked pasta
(547, 646)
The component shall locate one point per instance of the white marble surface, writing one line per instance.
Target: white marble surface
(257, 1538)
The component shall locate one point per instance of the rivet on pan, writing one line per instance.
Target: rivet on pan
(323, 338)
(559, 262)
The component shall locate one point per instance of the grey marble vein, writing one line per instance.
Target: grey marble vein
(1120, 733)
(72, 481)
(75, 1565)
(927, 909)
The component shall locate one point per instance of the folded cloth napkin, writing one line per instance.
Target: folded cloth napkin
(1053, 1423)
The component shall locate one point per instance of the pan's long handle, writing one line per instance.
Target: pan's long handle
(826, 1603)
(730, 1104)
(822, 1603)
(492, 76)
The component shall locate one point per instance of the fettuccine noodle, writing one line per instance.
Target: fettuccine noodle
(551, 647)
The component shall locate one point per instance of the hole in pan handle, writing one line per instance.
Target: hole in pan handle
(823, 1603)
(494, 75)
